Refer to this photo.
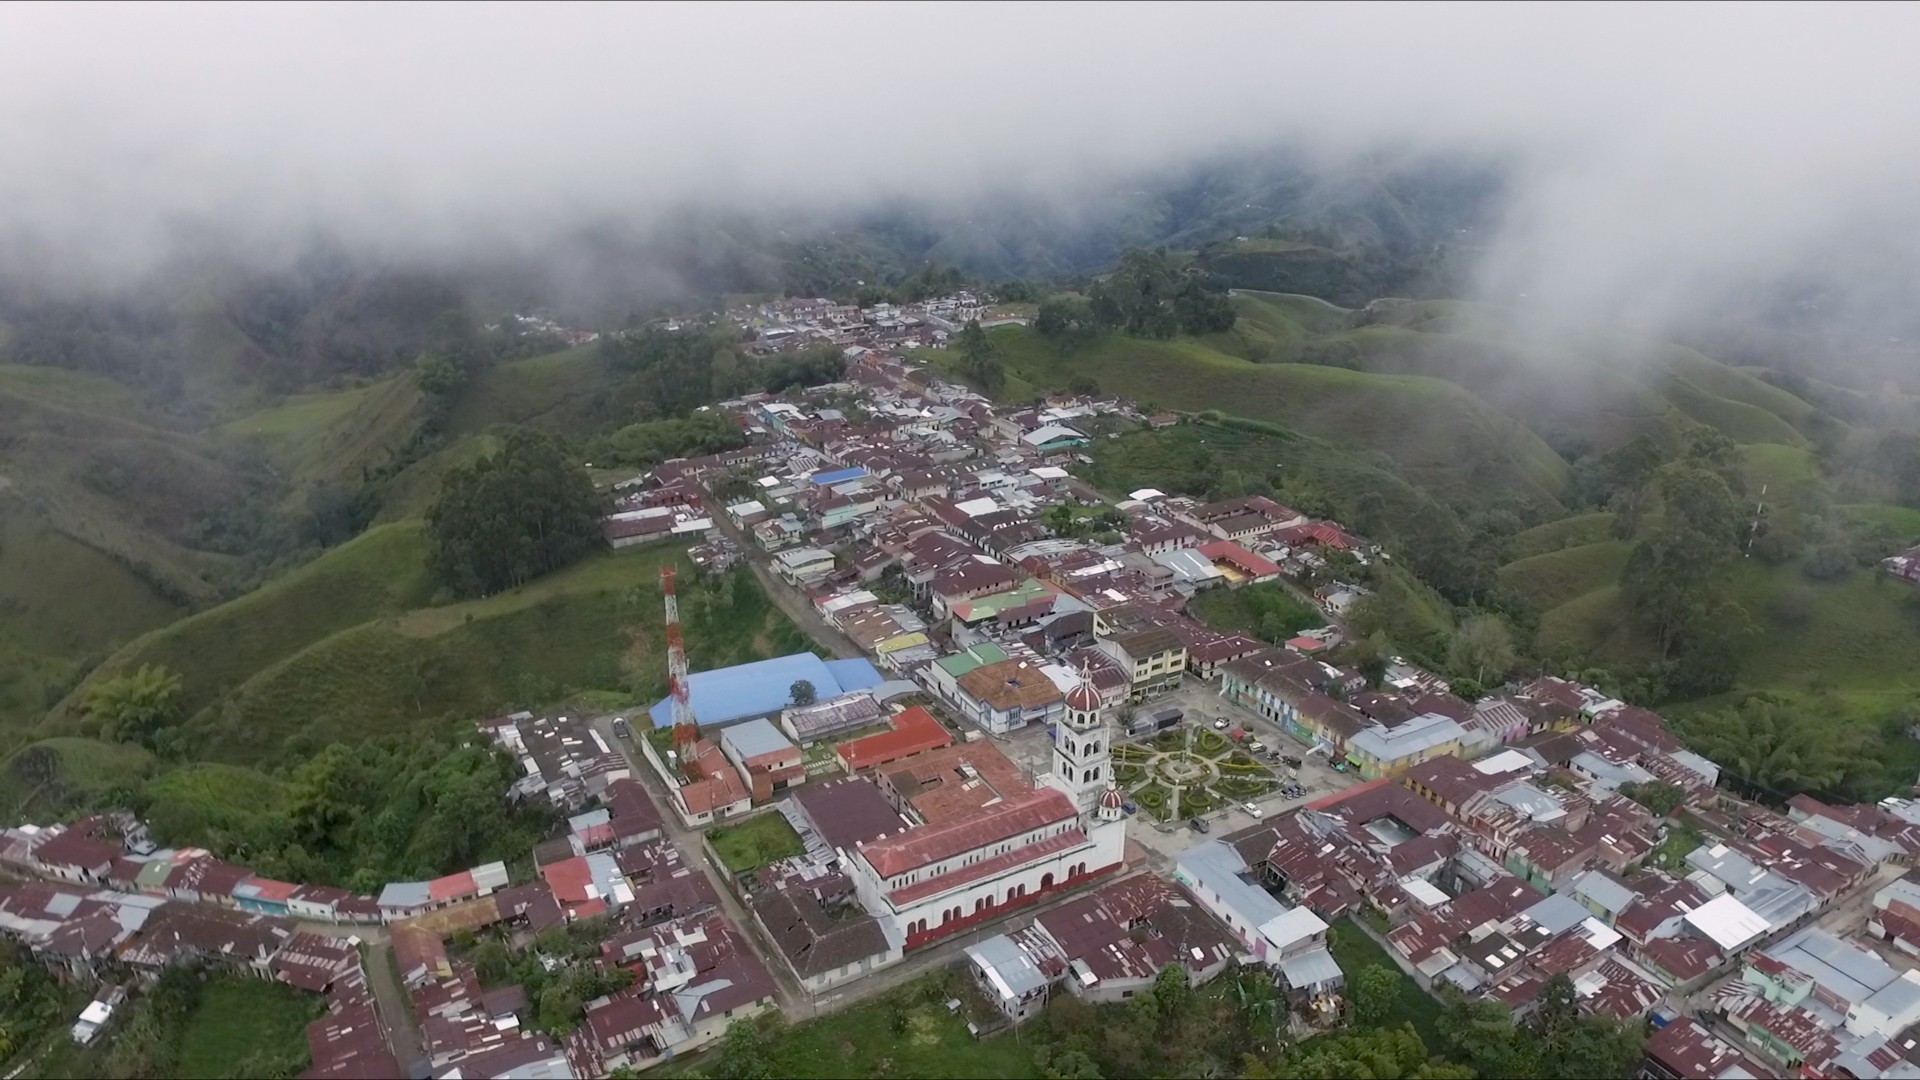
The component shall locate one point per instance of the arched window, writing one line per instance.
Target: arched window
(1046, 881)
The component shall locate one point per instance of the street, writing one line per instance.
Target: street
(791, 601)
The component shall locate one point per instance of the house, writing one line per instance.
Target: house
(82, 853)
(1013, 976)
(1378, 750)
(1154, 659)
(1905, 566)
(915, 731)
(693, 978)
(804, 566)
(1684, 1050)
(1217, 875)
(825, 944)
(766, 760)
(1116, 939)
(1051, 439)
(809, 724)
(713, 789)
(1238, 565)
(968, 579)
(1009, 695)
(563, 758)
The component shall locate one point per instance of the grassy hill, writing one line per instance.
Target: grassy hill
(559, 393)
(1858, 633)
(1567, 532)
(1554, 578)
(1437, 435)
(381, 572)
(62, 604)
(593, 627)
(91, 464)
(333, 437)
(61, 775)
(1193, 456)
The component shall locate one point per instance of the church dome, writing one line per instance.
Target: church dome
(1084, 698)
(1110, 799)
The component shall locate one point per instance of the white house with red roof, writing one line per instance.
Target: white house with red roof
(950, 873)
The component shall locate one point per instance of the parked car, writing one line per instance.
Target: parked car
(1256, 746)
(622, 728)
(1219, 723)
(1292, 762)
(1252, 810)
(1129, 807)
(1199, 825)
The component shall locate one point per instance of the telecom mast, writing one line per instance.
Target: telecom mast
(686, 730)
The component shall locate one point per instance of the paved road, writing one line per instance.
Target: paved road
(790, 600)
(396, 1008)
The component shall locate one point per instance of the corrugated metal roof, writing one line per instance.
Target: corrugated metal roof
(764, 687)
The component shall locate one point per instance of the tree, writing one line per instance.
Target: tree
(1374, 1054)
(1372, 993)
(1482, 649)
(743, 1054)
(1673, 578)
(978, 359)
(1767, 742)
(511, 517)
(139, 706)
(1656, 795)
(1369, 656)
(802, 692)
(1072, 1064)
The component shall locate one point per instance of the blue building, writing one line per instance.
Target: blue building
(764, 687)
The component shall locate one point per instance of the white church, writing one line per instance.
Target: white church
(941, 878)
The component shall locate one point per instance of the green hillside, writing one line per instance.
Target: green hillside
(1544, 582)
(90, 464)
(593, 627)
(560, 393)
(333, 437)
(1437, 435)
(62, 604)
(1567, 532)
(381, 572)
(54, 777)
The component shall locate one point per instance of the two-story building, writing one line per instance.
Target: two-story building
(1009, 695)
(1154, 658)
(1378, 750)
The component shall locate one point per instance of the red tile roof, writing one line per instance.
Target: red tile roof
(914, 731)
(894, 855)
(1238, 557)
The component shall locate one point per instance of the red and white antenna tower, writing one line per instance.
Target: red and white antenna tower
(686, 730)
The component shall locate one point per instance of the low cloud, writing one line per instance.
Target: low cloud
(1662, 156)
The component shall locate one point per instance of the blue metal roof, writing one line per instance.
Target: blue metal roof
(838, 476)
(764, 687)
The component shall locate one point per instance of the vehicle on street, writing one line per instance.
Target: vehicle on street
(622, 728)
(1199, 825)
(1219, 723)
(1252, 810)
(1129, 807)
(1256, 746)
(1292, 762)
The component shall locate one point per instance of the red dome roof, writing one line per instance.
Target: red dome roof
(1110, 799)
(1084, 698)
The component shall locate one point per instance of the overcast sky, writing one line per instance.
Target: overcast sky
(1662, 149)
